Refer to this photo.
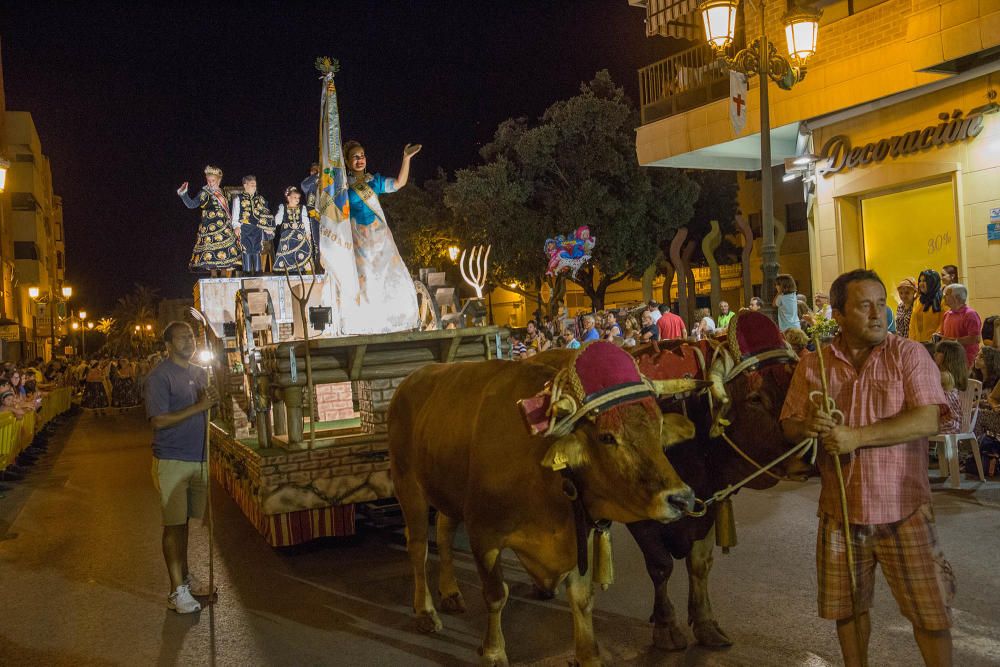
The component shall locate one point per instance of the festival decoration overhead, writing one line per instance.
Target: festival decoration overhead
(568, 254)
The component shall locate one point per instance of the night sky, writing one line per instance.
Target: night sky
(130, 103)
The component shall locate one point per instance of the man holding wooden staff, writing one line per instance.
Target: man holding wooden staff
(178, 399)
(888, 398)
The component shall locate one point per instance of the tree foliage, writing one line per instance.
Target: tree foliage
(422, 226)
(716, 201)
(575, 167)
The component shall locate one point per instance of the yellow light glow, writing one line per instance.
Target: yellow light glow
(719, 19)
(33, 292)
(205, 356)
(4, 166)
(67, 291)
(76, 325)
(83, 314)
(90, 325)
(453, 253)
(801, 34)
(137, 328)
(149, 327)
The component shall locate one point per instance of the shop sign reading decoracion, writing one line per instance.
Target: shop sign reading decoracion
(838, 154)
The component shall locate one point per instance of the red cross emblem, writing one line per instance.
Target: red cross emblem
(739, 104)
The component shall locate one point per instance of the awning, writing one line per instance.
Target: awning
(739, 154)
(674, 18)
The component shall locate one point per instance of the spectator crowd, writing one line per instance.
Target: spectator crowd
(932, 309)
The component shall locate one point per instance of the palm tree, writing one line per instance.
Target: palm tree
(136, 309)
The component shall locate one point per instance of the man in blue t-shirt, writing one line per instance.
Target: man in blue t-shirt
(178, 400)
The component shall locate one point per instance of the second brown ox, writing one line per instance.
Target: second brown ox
(458, 443)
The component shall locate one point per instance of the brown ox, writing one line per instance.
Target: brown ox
(458, 442)
(750, 398)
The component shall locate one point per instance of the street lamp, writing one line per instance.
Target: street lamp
(83, 334)
(50, 299)
(761, 58)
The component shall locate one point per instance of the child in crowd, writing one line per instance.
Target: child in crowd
(950, 358)
(786, 302)
(649, 332)
(797, 339)
(518, 350)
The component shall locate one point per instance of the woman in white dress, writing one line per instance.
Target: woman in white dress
(387, 298)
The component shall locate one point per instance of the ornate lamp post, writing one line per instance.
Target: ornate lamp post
(83, 332)
(50, 299)
(762, 58)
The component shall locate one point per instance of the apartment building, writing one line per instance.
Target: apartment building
(896, 121)
(32, 246)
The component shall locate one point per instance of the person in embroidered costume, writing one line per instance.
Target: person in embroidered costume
(310, 188)
(217, 246)
(253, 222)
(295, 245)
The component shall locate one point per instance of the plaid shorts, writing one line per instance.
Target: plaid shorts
(914, 566)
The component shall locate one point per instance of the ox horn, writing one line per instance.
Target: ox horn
(717, 378)
(677, 387)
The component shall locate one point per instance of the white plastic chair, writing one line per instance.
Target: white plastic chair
(948, 454)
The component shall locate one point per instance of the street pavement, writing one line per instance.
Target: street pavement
(84, 582)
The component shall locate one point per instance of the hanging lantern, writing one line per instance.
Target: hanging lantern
(719, 19)
(801, 33)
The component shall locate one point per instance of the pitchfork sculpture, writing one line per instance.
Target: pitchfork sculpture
(300, 302)
(479, 258)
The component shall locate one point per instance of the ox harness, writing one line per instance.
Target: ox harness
(732, 371)
(572, 486)
(601, 378)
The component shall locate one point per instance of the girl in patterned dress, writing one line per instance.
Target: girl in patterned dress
(295, 243)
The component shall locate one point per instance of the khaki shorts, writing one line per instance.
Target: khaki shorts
(920, 578)
(183, 487)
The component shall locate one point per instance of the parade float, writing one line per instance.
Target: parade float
(306, 368)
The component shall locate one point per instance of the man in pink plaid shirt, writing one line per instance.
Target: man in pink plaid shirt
(889, 391)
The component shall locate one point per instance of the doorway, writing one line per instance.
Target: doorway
(907, 231)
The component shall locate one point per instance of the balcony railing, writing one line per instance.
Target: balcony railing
(683, 81)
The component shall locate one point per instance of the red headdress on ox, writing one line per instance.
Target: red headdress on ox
(599, 381)
(602, 368)
(753, 339)
(751, 333)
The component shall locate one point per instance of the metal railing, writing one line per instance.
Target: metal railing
(683, 81)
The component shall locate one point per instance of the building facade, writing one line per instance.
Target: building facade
(896, 120)
(34, 256)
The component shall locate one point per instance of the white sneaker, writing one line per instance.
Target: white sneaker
(182, 602)
(198, 587)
